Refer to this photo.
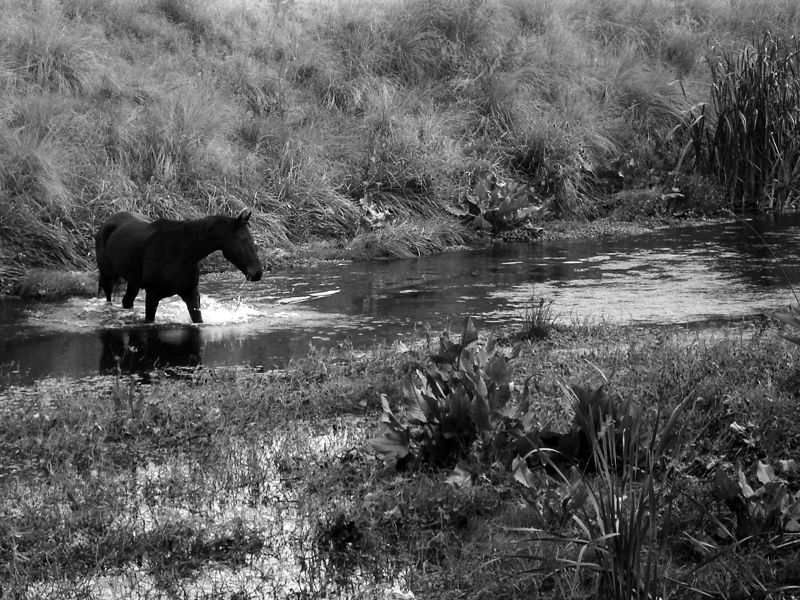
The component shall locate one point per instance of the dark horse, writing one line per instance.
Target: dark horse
(163, 256)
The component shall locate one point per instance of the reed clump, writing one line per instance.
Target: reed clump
(747, 134)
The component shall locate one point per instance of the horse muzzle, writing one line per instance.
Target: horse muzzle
(253, 275)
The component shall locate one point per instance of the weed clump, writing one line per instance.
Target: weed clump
(604, 494)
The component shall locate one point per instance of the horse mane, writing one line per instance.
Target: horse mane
(191, 231)
(176, 224)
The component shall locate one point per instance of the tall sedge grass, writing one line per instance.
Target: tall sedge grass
(752, 19)
(538, 318)
(178, 138)
(32, 172)
(647, 101)
(619, 505)
(433, 40)
(621, 523)
(747, 134)
(54, 55)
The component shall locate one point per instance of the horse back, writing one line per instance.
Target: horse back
(119, 244)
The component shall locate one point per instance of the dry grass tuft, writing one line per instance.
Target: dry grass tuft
(50, 53)
(407, 239)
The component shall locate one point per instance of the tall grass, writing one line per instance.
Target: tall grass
(177, 140)
(747, 135)
(625, 502)
(52, 54)
(619, 503)
(33, 174)
(306, 109)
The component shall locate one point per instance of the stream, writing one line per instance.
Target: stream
(695, 275)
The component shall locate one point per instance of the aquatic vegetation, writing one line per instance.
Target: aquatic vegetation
(746, 134)
(495, 206)
(766, 507)
(604, 491)
(616, 498)
(789, 318)
(447, 404)
(538, 319)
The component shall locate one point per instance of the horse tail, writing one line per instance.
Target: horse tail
(107, 280)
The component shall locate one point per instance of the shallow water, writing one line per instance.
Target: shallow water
(692, 275)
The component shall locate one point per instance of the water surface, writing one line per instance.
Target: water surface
(691, 275)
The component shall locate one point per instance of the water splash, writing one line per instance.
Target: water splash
(230, 312)
(78, 314)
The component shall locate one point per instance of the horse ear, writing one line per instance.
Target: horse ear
(244, 216)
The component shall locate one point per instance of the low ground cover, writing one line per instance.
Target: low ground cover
(237, 484)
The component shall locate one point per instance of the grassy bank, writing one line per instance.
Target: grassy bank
(383, 128)
(233, 484)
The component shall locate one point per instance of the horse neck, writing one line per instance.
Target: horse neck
(200, 243)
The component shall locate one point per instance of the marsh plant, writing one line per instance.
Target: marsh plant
(616, 500)
(538, 318)
(495, 205)
(764, 506)
(789, 318)
(449, 402)
(747, 134)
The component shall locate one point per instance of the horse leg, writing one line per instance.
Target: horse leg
(106, 285)
(192, 300)
(130, 295)
(150, 305)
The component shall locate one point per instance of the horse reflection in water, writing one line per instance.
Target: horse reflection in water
(163, 257)
(142, 350)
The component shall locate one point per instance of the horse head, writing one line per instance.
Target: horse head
(238, 247)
